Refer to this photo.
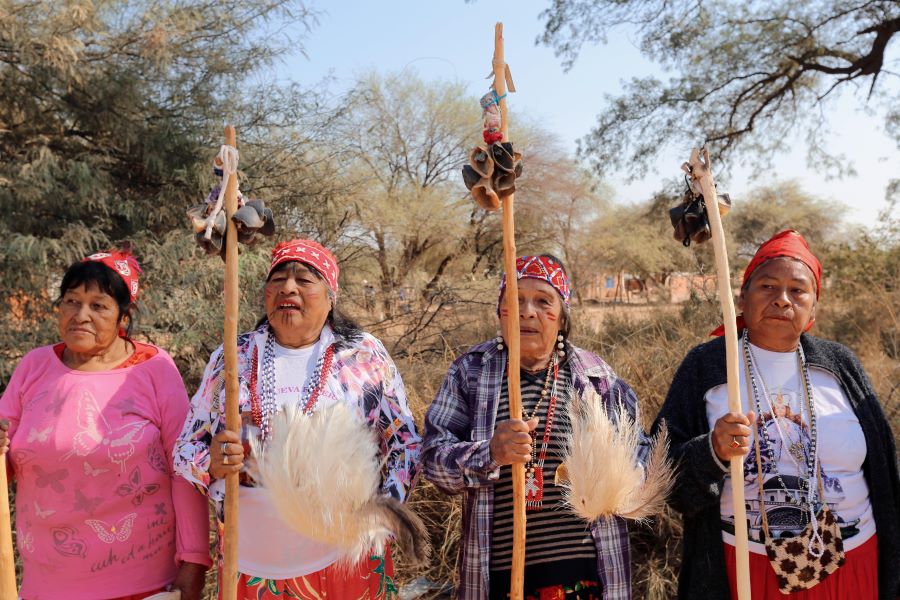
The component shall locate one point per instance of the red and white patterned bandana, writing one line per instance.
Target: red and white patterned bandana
(309, 253)
(543, 268)
(124, 264)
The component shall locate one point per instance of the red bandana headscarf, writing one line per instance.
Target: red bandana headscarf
(790, 244)
(124, 264)
(309, 253)
(543, 268)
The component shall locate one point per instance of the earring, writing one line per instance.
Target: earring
(499, 340)
(561, 346)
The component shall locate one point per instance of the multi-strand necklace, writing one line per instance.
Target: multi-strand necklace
(810, 464)
(796, 449)
(534, 468)
(263, 404)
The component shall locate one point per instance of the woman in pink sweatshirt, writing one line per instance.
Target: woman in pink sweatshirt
(90, 424)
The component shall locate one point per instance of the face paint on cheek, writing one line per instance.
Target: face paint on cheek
(550, 317)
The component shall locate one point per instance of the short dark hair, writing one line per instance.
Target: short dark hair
(92, 273)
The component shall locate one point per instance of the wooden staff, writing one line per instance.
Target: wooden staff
(701, 171)
(511, 299)
(8, 590)
(232, 413)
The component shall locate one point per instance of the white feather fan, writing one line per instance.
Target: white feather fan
(323, 473)
(603, 476)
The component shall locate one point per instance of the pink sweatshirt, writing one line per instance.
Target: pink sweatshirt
(99, 513)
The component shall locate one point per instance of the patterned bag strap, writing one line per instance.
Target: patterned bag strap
(754, 430)
(807, 385)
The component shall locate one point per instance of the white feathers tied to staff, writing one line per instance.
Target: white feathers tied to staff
(322, 472)
(603, 477)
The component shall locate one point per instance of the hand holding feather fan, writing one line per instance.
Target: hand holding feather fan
(323, 473)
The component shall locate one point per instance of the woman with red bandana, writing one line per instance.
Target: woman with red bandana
(91, 423)
(470, 443)
(302, 354)
(821, 477)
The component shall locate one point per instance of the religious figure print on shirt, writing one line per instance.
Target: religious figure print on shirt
(788, 433)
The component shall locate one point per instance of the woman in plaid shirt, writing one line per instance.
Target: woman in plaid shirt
(470, 443)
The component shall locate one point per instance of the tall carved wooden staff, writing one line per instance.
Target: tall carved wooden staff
(491, 177)
(232, 411)
(219, 224)
(511, 298)
(700, 171)
(8, 590)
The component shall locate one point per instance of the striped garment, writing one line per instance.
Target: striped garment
(553, 533)
(456, 455)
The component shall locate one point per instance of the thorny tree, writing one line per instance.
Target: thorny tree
(744, 74)
(109, 115)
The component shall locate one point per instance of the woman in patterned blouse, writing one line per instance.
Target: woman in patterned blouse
(306, 355)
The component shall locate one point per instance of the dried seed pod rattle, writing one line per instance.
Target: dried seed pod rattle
(492, 170)
(208, 218)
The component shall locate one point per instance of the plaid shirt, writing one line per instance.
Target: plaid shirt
(457, 458)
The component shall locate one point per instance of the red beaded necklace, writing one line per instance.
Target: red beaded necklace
(256, 404)
(534, 469)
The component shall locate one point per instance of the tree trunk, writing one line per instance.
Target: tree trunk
(432, 285)
(387, 283)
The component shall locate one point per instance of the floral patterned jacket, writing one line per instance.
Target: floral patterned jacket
(362, 375)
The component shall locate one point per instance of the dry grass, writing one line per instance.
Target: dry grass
(644, 346)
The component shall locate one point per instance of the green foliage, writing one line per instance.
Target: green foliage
(109, 115)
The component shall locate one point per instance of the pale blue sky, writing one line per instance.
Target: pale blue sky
(453, 40)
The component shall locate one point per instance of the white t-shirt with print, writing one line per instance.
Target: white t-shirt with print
(841, 449)
(267, 546)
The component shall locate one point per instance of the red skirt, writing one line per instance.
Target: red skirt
(857, 579)
(371, 579)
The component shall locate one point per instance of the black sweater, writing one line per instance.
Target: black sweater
(700, 479)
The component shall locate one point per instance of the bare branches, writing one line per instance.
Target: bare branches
(750, 72)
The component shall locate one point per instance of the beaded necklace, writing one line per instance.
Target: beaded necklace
(262, 404)
(534, 468)
(812, 457)
(796, 450)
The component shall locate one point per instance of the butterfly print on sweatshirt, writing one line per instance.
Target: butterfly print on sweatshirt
(94, 432)
(108, 534)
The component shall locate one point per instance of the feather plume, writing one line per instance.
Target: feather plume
(322, 473)
(603, 476)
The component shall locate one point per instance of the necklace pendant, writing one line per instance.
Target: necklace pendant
(534, 488)
(797, 451)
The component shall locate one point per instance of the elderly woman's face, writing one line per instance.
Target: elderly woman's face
(540, 310)
(297, 305)
(779, 303)
(88, 320)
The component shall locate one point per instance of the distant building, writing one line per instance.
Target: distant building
(683, 285)
(628, 288)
